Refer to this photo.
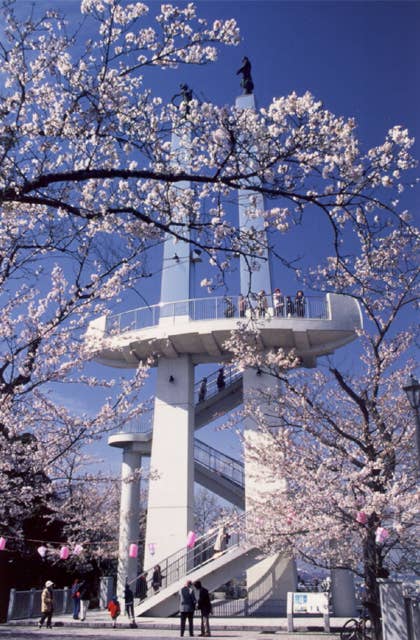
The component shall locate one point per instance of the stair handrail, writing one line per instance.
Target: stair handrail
(231, 374)
(182, 562)
(223, 464)
(144, 424)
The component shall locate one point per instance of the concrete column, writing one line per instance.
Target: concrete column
(343, 593)
(170, 513)
(129, 518)
(270, 580)
(247, 203)
(394, 616)
(106, 591)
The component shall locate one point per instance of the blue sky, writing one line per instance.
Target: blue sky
(361, 59)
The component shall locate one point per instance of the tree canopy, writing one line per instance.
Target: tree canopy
(89, 184)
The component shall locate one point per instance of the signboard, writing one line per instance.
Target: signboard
(307, 603)
(313, 603)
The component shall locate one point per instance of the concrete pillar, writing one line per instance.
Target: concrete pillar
(248, 203)
(129, 518)
(394, 617)
(106, 591)
(343, 593)
(170, 513)
(269, 581)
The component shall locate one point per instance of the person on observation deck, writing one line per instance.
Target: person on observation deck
(300, 304)
(278, 303)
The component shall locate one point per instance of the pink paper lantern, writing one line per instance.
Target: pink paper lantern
(361, 517)
(191, 539)
(152, 548)
(42, 551)
(133, 551)
(64, 553)
(2, 543)
(78, 549)
(381, 535)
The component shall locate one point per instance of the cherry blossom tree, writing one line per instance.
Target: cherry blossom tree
(341, 438)
(89, 185)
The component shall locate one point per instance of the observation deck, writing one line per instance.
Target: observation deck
(200, 327)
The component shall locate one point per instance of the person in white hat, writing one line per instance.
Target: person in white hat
(47, 600)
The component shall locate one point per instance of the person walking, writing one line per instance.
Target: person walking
(221, 379)
(221, 542)
(142, 586)
(157, 578)
(203, 390)
(114, 610)
(187, 603)
(204, 604)
(84, 599)
(129, 604)
(47, 605)
(75, 596)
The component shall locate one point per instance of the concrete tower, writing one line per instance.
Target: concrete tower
(179, 334)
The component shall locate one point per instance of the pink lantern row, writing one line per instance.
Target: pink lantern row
(64, 551)
(133, 550)
(2, 543)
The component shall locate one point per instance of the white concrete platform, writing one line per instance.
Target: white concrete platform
(186, 328)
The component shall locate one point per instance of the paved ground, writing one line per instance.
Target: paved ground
(62, 633)
(98, 627)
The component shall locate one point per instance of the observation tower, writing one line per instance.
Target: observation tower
(178, 333)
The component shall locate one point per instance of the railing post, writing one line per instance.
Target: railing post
(12, 599)
(31, 602)
(65, 599)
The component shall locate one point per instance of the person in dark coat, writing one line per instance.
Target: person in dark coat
(129, 603)
(221, 379)
(204, 604)
(84, 599)
(203, 390)
(290, 307)
(142, 586)
(300, 304)
(186, 607)
(157, 578)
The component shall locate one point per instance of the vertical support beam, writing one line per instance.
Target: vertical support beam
(176, 275)
(170, 512)
(343, 593)
(247, 202)
(270, 580)
(129, 518)
(394, 615)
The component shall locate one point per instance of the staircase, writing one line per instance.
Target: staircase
(199, 563)
(213, 469)
(219, 473)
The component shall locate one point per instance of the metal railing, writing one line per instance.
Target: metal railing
(214, 309)
(27, 604)
(144, 424)
(231, 375)
(179, 564)
(219, 463)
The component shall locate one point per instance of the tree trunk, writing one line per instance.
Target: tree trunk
(371, 565)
